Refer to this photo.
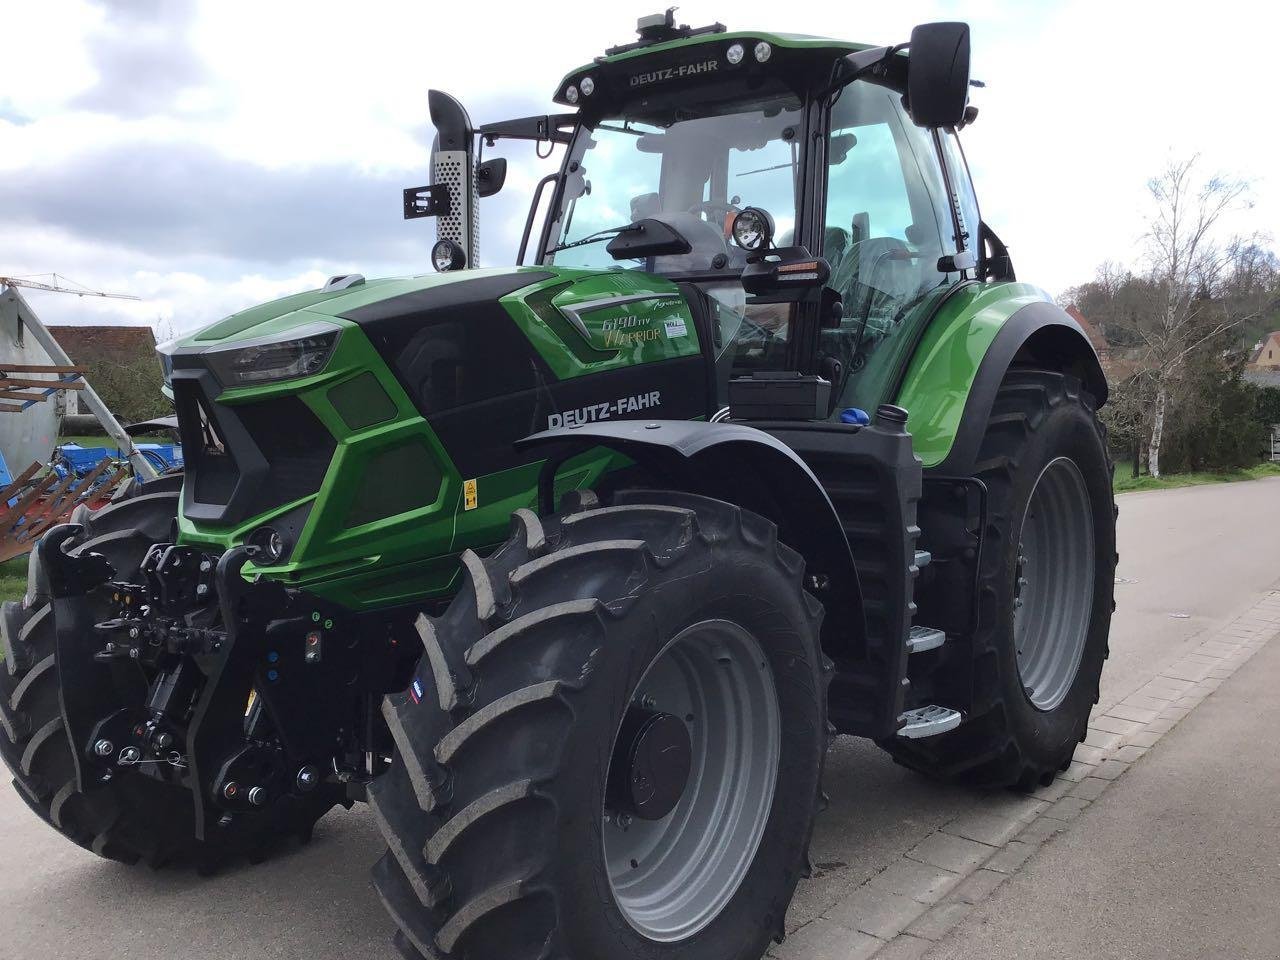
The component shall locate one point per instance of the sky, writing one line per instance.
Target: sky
(206, 155)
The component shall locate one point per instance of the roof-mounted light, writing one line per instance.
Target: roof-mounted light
(587, 86)
(735, 53)
(571, 94)
(763, 52)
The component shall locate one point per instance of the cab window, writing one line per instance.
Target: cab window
(966, 200)
(888, 221)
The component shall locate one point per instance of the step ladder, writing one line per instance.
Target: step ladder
(921, 722)
(931, 720)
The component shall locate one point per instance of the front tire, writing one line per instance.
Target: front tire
(1046, 586)
(510, 830)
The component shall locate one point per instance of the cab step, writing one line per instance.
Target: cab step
(925, 638)
(929, 721)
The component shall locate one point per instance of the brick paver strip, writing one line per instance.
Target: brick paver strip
(957, 854)
(938, 920)
(1088, 754)
(1102, 739)
(875, 911)
(821, 939)
(1077, 771)
(1146, 703)
(900, 912)
(1147, 738)
(1139, 714)
(1110, 769)
(920, 881)
(1011, 856)
(905, 947)
(1130, 752)
(1090, 788)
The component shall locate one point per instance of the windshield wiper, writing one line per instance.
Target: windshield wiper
(595, 237)
(776, 166)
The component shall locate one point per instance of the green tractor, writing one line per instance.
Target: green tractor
(572, 570)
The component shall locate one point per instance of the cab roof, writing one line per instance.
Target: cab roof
(793, 46)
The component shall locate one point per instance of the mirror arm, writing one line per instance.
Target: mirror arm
(543, 128)
(876, 61)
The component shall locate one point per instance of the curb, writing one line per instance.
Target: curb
(901, 912)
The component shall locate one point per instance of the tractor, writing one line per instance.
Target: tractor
(573, 570)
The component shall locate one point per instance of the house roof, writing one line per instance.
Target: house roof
(1261, 344)
(1093, 333)
(115, 343)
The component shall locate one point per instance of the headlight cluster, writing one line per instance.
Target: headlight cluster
(266, 362)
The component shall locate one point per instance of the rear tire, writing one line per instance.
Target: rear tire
(494, 807)
(1038, 653)
(132, 818)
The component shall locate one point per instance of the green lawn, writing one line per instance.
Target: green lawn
(1124, 483)
(13, 582)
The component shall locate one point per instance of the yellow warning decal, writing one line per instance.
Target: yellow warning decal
(469, 499)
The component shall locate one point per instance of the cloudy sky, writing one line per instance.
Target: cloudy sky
(207, 155)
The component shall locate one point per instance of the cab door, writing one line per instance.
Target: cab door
(889, 231)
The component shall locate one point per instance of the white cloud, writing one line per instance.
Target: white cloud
(1085, 100)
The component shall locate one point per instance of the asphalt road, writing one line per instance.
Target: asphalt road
(1190, 559)
(1153, 873)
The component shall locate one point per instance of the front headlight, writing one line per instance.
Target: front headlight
(266, 362)
(164, 352)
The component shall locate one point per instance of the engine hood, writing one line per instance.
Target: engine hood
(278, 317)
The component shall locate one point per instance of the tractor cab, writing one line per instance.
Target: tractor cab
(783, 181)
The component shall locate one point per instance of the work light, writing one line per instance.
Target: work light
(752, 229)
(447, 255)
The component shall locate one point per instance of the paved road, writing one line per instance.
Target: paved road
(1153, 873)
(1200, 551)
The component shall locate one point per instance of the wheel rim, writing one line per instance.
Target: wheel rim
(671, 877)
(1053, 591)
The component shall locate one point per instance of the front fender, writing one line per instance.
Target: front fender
(742, 466)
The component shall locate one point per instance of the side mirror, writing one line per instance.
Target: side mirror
(938, 74)
(490, 176)
(648, 238)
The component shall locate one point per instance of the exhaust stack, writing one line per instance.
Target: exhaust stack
(453, 174)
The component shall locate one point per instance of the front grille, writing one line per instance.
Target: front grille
(246, 459)
(296, 446)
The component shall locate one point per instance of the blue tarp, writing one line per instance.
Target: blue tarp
(163, 456)
(6, 478)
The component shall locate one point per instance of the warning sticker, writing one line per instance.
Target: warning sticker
(469, 498)
(676, 328)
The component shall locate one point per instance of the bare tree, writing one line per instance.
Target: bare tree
(1188, 264)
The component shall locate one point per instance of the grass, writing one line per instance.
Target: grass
(1124, 483)
(13, 578)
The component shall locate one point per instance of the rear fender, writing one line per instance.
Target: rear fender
(745, 467)
(952, 379)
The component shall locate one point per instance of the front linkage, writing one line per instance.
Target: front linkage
(248, 694)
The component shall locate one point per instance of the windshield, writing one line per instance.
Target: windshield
(694, 167)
